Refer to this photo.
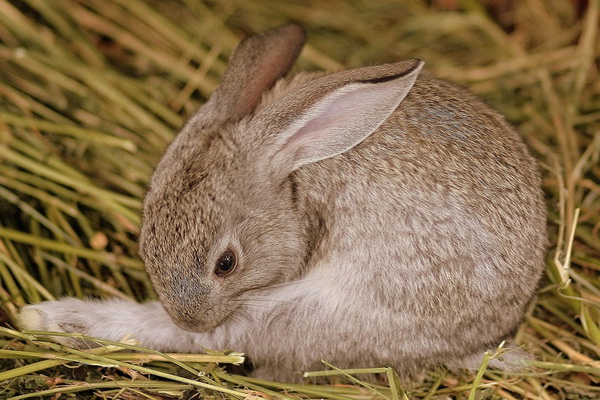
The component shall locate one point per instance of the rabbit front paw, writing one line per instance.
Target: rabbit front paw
(68, 315)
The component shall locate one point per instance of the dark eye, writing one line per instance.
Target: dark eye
(226, 263)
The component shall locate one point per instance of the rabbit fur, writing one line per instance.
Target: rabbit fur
(378, 217)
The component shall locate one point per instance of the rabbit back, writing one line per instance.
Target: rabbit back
(437, 220)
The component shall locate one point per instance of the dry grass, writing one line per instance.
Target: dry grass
(93, 90)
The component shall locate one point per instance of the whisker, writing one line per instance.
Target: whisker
(283, 284)
(267, 300)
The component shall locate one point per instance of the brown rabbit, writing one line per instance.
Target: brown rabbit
(371, 217)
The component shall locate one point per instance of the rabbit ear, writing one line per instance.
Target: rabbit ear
(346, 115)
(256, 64)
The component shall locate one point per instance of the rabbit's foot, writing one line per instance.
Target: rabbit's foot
(68, 315)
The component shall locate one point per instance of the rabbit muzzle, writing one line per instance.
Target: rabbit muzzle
(192, 307)
(193, 319)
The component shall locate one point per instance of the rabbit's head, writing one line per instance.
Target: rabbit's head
(221, 219)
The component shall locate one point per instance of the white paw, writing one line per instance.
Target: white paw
(68, 315)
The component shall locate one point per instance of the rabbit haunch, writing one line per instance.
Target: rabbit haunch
(371, 217)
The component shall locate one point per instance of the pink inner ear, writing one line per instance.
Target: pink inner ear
(313, 129)
(343, 119)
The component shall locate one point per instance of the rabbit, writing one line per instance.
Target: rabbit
(370, 217)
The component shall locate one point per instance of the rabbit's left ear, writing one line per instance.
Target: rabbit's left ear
(345, 116)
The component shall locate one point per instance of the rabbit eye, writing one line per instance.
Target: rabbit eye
(226, 263)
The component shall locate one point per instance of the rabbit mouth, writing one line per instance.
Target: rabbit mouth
(195, 325)
(205, 321)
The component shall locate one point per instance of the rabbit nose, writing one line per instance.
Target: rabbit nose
(193, 323)
(187, 288)
(183, 300)
(186, 315)
(188, 324)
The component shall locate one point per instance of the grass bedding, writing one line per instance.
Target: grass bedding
(92, 91)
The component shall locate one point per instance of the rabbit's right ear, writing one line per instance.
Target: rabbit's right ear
(256, 64)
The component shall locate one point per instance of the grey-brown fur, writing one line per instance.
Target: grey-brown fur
(404, 238)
